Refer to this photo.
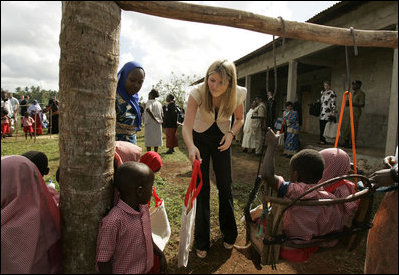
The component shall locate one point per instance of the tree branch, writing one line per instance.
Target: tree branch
(263, 24)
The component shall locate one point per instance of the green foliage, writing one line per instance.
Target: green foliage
(35, 93)
(176, 85)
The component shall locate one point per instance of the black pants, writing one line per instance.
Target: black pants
(207, 143)
(322, 127)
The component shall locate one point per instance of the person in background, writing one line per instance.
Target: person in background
(23, 105)
(53, 109)
(27, 123)
(271, 110)
(5, 123)
(14, 113)
(358, 102)
(291, 130)
(170, 123)
(259, 115)
(248, 141)
(35, 111)
(208, 133)
(30, 220)
(128, 115)
(153, 117)
(328, 108)
(124, 243)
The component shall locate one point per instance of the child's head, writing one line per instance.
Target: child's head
(39, 159)
(26, 114)
(153, 160)
(4, 111)
(134, 181)
(336, 162)
(289, 105)
(307, 166)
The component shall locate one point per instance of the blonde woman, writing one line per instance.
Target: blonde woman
(208, 133)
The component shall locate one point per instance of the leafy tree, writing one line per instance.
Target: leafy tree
(176, 85)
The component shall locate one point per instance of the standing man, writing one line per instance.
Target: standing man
(259, 114)
(271, 110)
(358, 102)
(14, 111)
(328, 108)
(23, 105)
(170, 123)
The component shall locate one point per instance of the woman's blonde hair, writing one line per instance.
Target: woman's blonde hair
(227, 71)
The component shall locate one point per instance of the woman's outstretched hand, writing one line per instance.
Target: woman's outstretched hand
(193, 153)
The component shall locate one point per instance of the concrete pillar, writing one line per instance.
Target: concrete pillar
(292, 77)
(248, 99)
(392, 131)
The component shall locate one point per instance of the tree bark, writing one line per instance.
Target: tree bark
(263, 24)
(89, 42)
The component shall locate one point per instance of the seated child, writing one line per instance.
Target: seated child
(301, 223)
(41, 161)
(27, 123)
(336, 164)
(5, 123)
(124, 243)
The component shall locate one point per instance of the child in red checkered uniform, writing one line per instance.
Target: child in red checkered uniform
(302, 223)
(27, 123)
(124, 243)
(5, 123)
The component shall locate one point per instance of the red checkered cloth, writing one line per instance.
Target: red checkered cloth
(125, 238)
(30, 220)
(305, 222)
(336, 164)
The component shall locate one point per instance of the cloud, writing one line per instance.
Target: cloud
(30, 33)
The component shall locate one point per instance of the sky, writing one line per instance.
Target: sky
(30, 49)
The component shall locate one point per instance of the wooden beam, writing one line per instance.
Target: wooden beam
(263, 24)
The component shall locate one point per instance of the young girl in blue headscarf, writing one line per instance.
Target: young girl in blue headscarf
(128, 116)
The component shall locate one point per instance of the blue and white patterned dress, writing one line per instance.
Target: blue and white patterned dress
(291, 144)
(126, 123)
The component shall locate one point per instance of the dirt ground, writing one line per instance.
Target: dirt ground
(221, 261)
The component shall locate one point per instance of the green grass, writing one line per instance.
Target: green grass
(17, 145)
(173, 193)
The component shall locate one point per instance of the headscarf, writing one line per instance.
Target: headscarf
(133, 100)
(336, 163)
(126, 151)
(34, 107)
(153, 160)
(30, 220)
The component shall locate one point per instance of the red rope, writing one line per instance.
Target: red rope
(352, 129)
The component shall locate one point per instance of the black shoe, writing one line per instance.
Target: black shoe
(169, 151)
(245, 150)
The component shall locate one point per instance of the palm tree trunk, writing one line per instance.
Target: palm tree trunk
(89, 43)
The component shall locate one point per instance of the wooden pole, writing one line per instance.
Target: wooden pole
(263, 24)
